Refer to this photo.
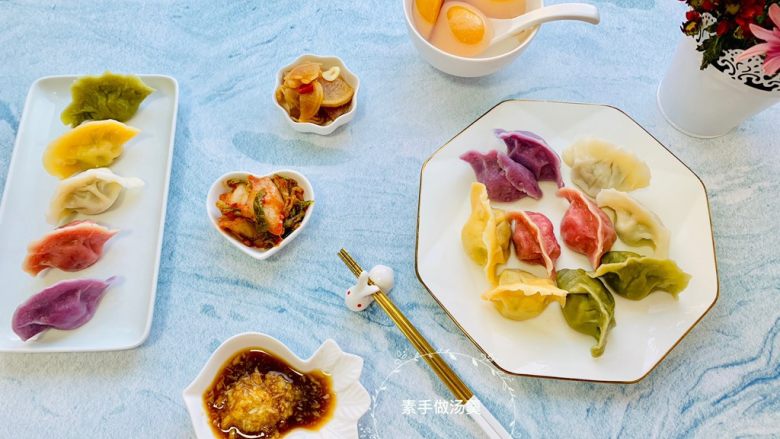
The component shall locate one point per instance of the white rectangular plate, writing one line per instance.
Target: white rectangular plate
(546, 346)
(124, 317)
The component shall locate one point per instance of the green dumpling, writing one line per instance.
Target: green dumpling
(635, 276)
(109, 96)
(589, 309)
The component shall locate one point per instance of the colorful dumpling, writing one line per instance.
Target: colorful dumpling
(585, 228)
(596, 164)
(589, 308)
(522, 296)
(72, 247)
(109, 96)
(532, 151)
(534, 240)
(505, 179)
(90, 192)
(634, 276)
(89, 145)
(65, 305)
(486, 234)
(634, 223)
(519, 176)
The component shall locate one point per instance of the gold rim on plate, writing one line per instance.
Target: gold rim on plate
(487, 355)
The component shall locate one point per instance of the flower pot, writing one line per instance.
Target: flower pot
(711, 102)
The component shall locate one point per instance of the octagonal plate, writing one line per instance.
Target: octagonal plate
(545, 346)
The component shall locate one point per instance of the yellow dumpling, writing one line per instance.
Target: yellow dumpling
(94, 144)
(486, 234)
(425, 13)
(461, 29)
(521, 295)
(499, 8)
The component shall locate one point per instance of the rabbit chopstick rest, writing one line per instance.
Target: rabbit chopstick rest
(361, 295)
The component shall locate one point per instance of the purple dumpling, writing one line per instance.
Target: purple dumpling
(519, 176)
(505, 179)
(64, 305)
(532, 151)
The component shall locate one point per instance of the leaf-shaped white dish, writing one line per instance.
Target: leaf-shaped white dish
(352, 399)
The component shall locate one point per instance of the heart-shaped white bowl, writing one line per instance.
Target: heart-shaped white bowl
(352, 399)
(219, 188)
(326, 61)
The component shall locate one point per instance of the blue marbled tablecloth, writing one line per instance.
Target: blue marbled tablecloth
(722, 380)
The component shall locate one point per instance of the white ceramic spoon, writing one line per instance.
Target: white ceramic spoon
(510, 27)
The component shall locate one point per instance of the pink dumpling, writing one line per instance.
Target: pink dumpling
(585, 228)
(72, 247)
(534, 240)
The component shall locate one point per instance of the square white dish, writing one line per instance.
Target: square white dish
(124, 317)
(546, 346)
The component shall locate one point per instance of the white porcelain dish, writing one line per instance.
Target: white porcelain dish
(124, 317)
(545, 346)
(352, 399)
(218, 188)
(489, 62)
(327, 62)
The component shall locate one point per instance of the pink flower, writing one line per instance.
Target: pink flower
(771, 45)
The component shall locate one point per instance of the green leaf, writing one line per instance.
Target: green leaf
(295, 216)
(713, 49)
(261, 225)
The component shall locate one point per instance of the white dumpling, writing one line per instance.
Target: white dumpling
(90, 192)
(634, 223)
(596, 164)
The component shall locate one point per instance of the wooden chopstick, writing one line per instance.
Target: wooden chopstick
(434, 360)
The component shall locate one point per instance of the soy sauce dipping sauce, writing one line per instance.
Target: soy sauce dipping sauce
(258, 395)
